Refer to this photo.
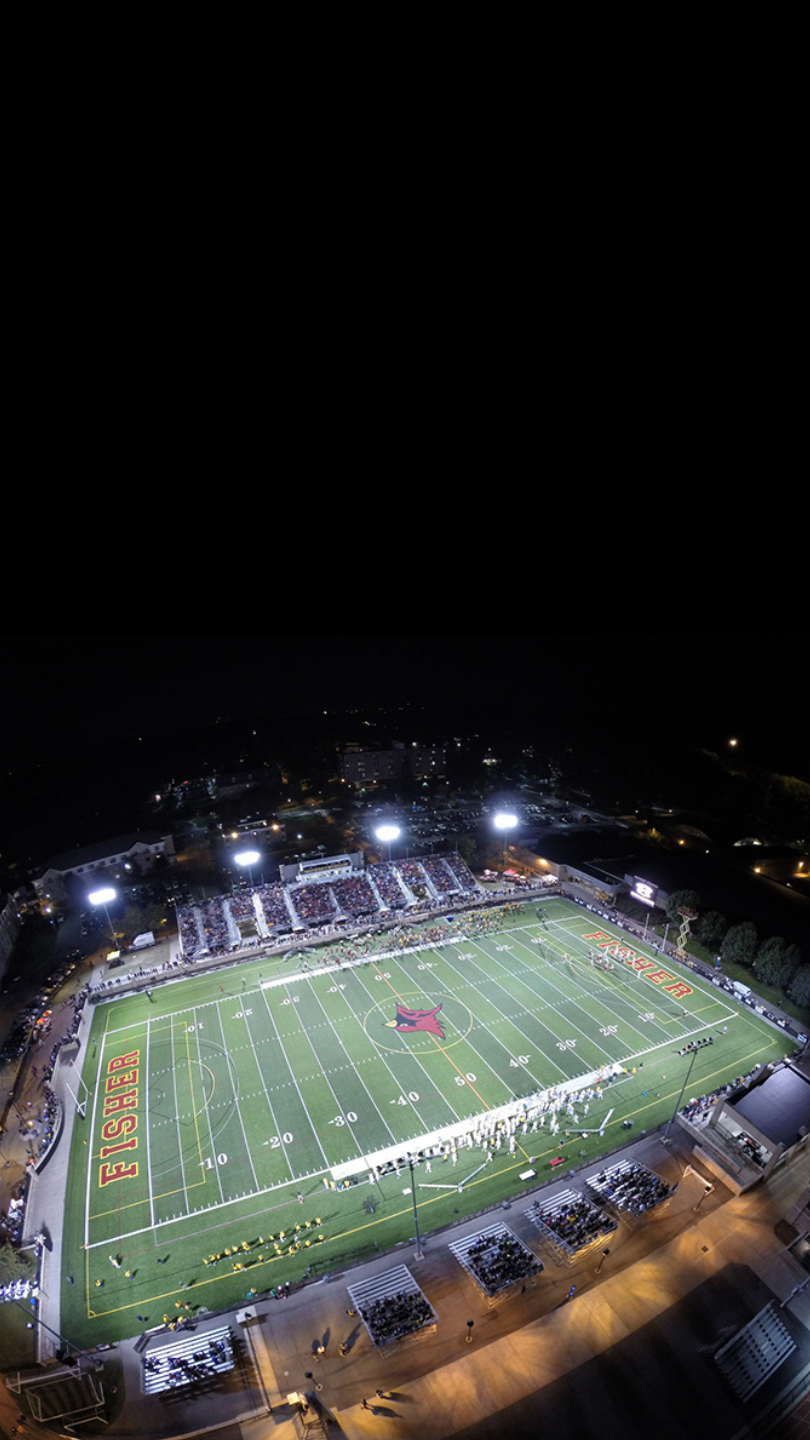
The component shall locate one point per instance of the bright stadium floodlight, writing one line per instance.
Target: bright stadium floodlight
(388, 833)
(248, 858)
(506, 823)
(104, 897)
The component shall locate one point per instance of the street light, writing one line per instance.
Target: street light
(104, 897)
(506, 823)
(707, 1190)
(388, 833)
(470, 1324)
(665, 1136)
(605, 1254)
(418, 1252)
(248, 858)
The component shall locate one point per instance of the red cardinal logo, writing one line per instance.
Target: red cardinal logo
(408, 1020)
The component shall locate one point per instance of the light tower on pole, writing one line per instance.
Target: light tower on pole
(248, 858)
(105, 897)
(388, 833)
(505, 822)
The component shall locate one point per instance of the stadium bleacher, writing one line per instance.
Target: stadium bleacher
(318, 898)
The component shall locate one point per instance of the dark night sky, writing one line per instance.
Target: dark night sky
(64, 694)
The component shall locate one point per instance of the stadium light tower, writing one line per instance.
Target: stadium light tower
(105, 897)
(248, 858)
(389, 833)
(506, 823)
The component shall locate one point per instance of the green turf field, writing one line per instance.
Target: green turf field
(217, 1103)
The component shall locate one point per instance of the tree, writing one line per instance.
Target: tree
(15, 1264)
(774, 964)
(739, 945)
(681, 900)
(800, 987)
(710, 929)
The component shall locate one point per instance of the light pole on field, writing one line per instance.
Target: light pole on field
(665, 1136)
(418, 1252)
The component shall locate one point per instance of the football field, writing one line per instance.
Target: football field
(250, 1107)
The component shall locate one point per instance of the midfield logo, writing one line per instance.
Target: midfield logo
(410, 1020)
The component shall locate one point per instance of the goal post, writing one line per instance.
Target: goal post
(81, 1098)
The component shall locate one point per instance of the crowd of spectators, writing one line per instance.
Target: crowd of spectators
(415, 879)
(220, 931)
(572, 1221)
(698, 1109)
(441, 878)
(189, 930)
(242, 908)
(168, 1369)
(392, 1317)
(499, 1261)
(465, 880)
(631, 1186)
(388, 885)
(19, 1290)
(313, 903)
(12, 1223)
(313, 907)
(355, 897)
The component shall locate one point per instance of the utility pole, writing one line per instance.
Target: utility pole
(418, 1252)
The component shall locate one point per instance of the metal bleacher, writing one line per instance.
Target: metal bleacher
(470, 1255)
(211, 1353)
(754, 1353)
(389, 1286)
(591, 1222)
(630, 1187)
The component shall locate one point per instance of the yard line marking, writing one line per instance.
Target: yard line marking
(276, 1129)
(412, 1055)
(193, 1101)
(177, 1119)
(536, 1081)
(362, 1149)
(628, 981)
(538, 999)
(294, 1079)
(256, 1185)
(90, 1146)
(472, 1046)
(207, 1209)
(207, 1108)
(436, 1043)
(149, 1185)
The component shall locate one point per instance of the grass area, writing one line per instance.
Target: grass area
(232, 1119)
(16, 1340)
(772, 997)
